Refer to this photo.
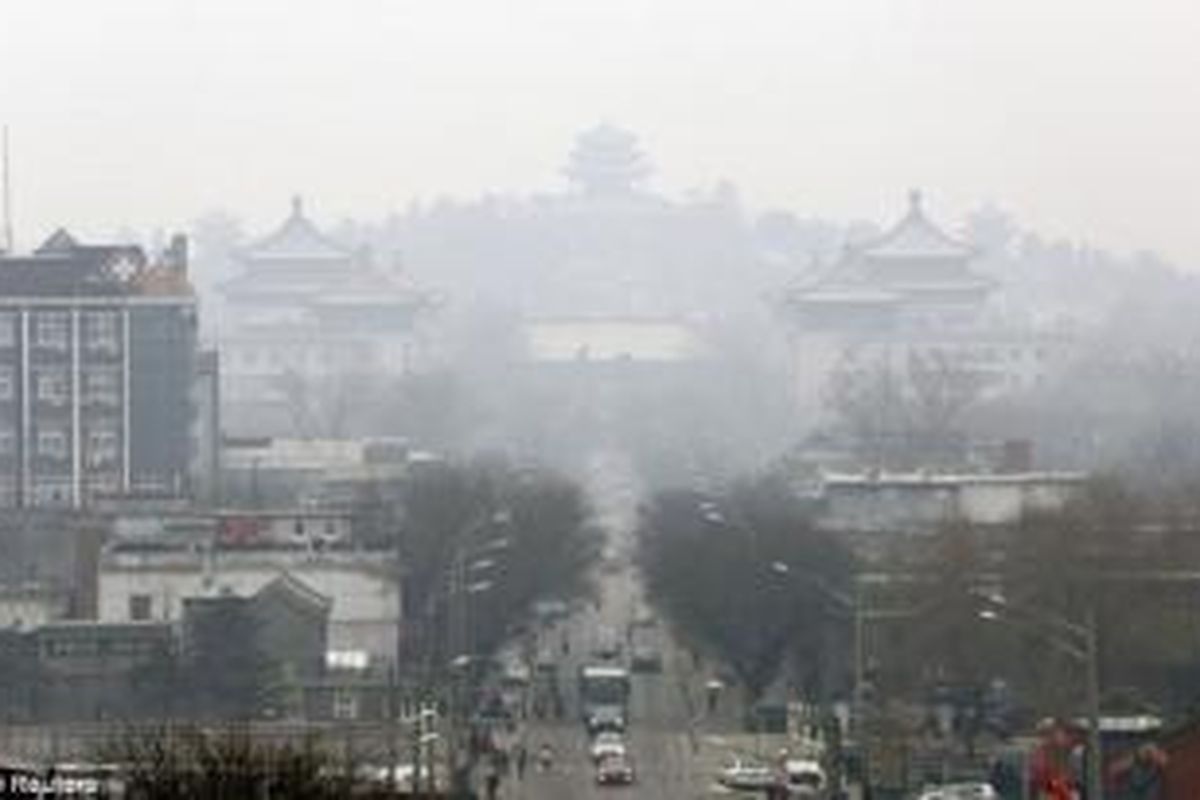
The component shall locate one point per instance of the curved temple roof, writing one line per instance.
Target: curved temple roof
(297, 238)
(914, 236)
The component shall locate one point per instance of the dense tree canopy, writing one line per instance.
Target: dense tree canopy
(743, 573)
(481, 542)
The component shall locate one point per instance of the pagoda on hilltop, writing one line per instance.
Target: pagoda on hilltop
(606, 161)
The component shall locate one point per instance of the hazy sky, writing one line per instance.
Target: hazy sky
(1082, 117)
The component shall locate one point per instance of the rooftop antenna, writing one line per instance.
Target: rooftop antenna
(7, 191)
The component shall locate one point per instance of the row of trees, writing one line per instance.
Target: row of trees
(193, 763)
(731, 569)
(479, 543)
(1120, 556)
(751, 578)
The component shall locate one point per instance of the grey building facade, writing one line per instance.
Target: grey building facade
(97, 364)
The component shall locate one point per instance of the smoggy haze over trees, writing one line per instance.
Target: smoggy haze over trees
(609, 246)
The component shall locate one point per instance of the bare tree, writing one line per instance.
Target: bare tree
(900, 416)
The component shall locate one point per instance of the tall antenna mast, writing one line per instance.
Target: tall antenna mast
(7, 190)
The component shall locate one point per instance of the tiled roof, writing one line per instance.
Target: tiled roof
(298, 238)
(915, 236)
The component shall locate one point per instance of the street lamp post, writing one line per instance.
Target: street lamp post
(469, 557)
(851, 606)
(1085, 651)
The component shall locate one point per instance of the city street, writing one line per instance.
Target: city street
(670, 746)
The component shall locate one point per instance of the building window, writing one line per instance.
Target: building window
(139, 607)
(8, 329)
(101, 448)
(7, 388)
(8, 443)
(52, 386)
(51, 330)
(100, 331)
(52, 444)
(101, 387)
(54, 491)
(345, 704)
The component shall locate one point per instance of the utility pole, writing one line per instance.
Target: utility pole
(1095, 760)
(418, 734)
(9, 244)
(392, 733)
(860, 643)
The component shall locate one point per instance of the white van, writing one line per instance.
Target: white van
(806, 778)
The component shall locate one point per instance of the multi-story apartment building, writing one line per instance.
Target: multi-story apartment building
(97, 360)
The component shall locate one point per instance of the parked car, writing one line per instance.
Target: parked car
(747, 775)
(615, 770)
(607, 744)
(805, 778)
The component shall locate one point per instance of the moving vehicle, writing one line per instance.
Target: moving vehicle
(960, 791)
(747, 775)
(645, 658)
(515, 674)
(605, 718)
(607, 644)
(615, 770)
(603, 692)
(607, 744)
(548, 611)
(644, 652)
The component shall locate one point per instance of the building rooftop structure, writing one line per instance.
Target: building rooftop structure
(306, 319)
(62, 266)
(605, 160)
(98, 354)
(298, 265)
(912, 269)
(296, 238)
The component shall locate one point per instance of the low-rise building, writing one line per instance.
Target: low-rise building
(915, 502)
(363, 587)
(280, 647)
(273, 471)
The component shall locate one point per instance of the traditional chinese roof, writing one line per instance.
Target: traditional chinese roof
(291, 589)
(298, 239)
(914, 236)
(914, 259)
